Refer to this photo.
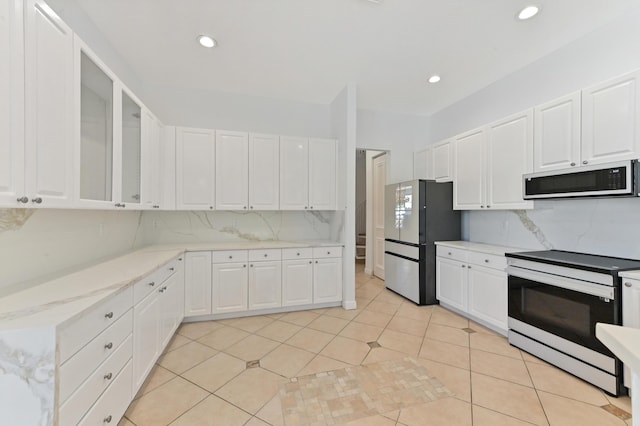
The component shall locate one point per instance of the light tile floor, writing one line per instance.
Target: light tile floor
(208, 375)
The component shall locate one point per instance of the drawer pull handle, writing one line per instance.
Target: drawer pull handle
(108, 376)
(172, 269)
(627, 284)
(107, 419)
(152, 283)
(109, 315)
(108, 345)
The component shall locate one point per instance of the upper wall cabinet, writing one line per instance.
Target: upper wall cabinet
(151, 159)
(12, 189)
(48, 107)
(232, 170)
(130, 150)
(489, 163)
(423, 164)
(264, 172)
(94, 128)
(611, 120)
(322, 174)
(442, 162)
(195, 169)
(557, 134)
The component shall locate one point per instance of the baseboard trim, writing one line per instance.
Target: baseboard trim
(349, 304)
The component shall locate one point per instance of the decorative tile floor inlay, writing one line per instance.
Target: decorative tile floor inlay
(373, 345)
(617, 411)
(352, 393)
(253, 364)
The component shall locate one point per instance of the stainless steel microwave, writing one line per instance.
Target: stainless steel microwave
(600, 180)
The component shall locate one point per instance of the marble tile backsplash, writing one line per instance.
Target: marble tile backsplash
(608, 226)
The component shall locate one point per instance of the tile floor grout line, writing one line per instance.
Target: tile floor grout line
(536, 391)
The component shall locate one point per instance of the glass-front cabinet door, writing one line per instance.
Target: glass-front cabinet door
(131, 150)
(95, 183)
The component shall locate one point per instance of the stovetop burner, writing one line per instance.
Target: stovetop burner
(588, 262)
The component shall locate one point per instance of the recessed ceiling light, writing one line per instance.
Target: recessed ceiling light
(528, 12)
(206, 41)
(434, 79)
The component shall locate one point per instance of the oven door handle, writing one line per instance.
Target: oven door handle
(579, 286)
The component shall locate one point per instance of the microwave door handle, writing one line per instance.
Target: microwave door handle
(563, 282)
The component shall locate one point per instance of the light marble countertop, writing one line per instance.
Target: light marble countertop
(483, 248)
(624, 342)
(58, 300)
(634, 275)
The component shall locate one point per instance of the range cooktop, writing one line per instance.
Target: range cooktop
(588, 262)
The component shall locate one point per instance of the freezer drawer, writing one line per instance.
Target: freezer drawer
(403, 276)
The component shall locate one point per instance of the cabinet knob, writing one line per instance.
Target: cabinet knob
(230, 257)
(486, 261)
(310, 262)
(37, 200)
(316, 261)
(108, 345)
(245, 207)
(251, 207)
(244, 266)
(109, 315)
(172, 269)
(180, 259)
(23, 200)
(152, 283)
(585, 162)
(627, 284)
(463, 266)
(311, 207)
(251, 265)
(488, 206)
(469, 267)
(210, 207)
(108, 376)
(107, 419)
(305, 207)
(297, 254)
(573, 164)
(449, 253)
(265, 255)
(328, 252)
(482, 207)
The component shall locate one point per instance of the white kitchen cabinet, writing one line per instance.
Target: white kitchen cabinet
(232, 170)
(12, 188)
(322, 174)
(327, 274)
(264, 172)
(146, 335)
(195, 169)
(611, 120)
(442, 162)
(423, 164)
(229, 285)
(197, 283)
(49, 110)
(630, 312)
(451, 283)
(488, 295)
(265, 285)
(129, 151)
(556, 143)
(490, 162)
(151, 155)
(509, 152)
(294, 173)
(469, 170)
(171, 305)
(297, 282)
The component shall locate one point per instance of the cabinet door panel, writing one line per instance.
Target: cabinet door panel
(509, 156)
(442, 162)
(195, 169)
(322, 174)
(451, 283)
(49, 102)
(294, 173)
(197, 282)
(297, 282)
(265, 285)
(146, 333)
(232, 170)
(423, 164)
(229, 287)
(172, 305)
(557, 134)
(469, 175)
(488, 295)
(327, 280)
(11, 104)
(611, 120)
(264, 172)
(150, 160)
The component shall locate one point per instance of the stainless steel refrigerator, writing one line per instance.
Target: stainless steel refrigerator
(417, 213)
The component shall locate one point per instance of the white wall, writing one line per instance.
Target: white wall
(36, 243)
(401, 134)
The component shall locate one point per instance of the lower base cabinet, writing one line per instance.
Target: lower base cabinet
(474, 284)
(327, 280)
(229, 287)
(297, 282)
(265, 285)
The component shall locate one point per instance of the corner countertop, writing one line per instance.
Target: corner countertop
(480, 247)
(624, 342)
(58, 300)
(634, 275)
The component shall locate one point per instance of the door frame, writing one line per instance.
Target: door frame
(371, 156)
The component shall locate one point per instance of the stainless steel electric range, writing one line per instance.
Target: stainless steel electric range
(555, 300)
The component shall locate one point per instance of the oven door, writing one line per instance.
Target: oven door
(562, 306)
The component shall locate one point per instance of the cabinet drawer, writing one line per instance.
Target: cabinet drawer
(297, 253)
(269, 254)
(77, 368)
(325, 252)
(111, 406)
(153, 280)
(74, 336)
(87, 394)
(229, 256)
(488, 260)
(452, 253)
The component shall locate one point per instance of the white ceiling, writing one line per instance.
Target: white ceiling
(307, 50)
